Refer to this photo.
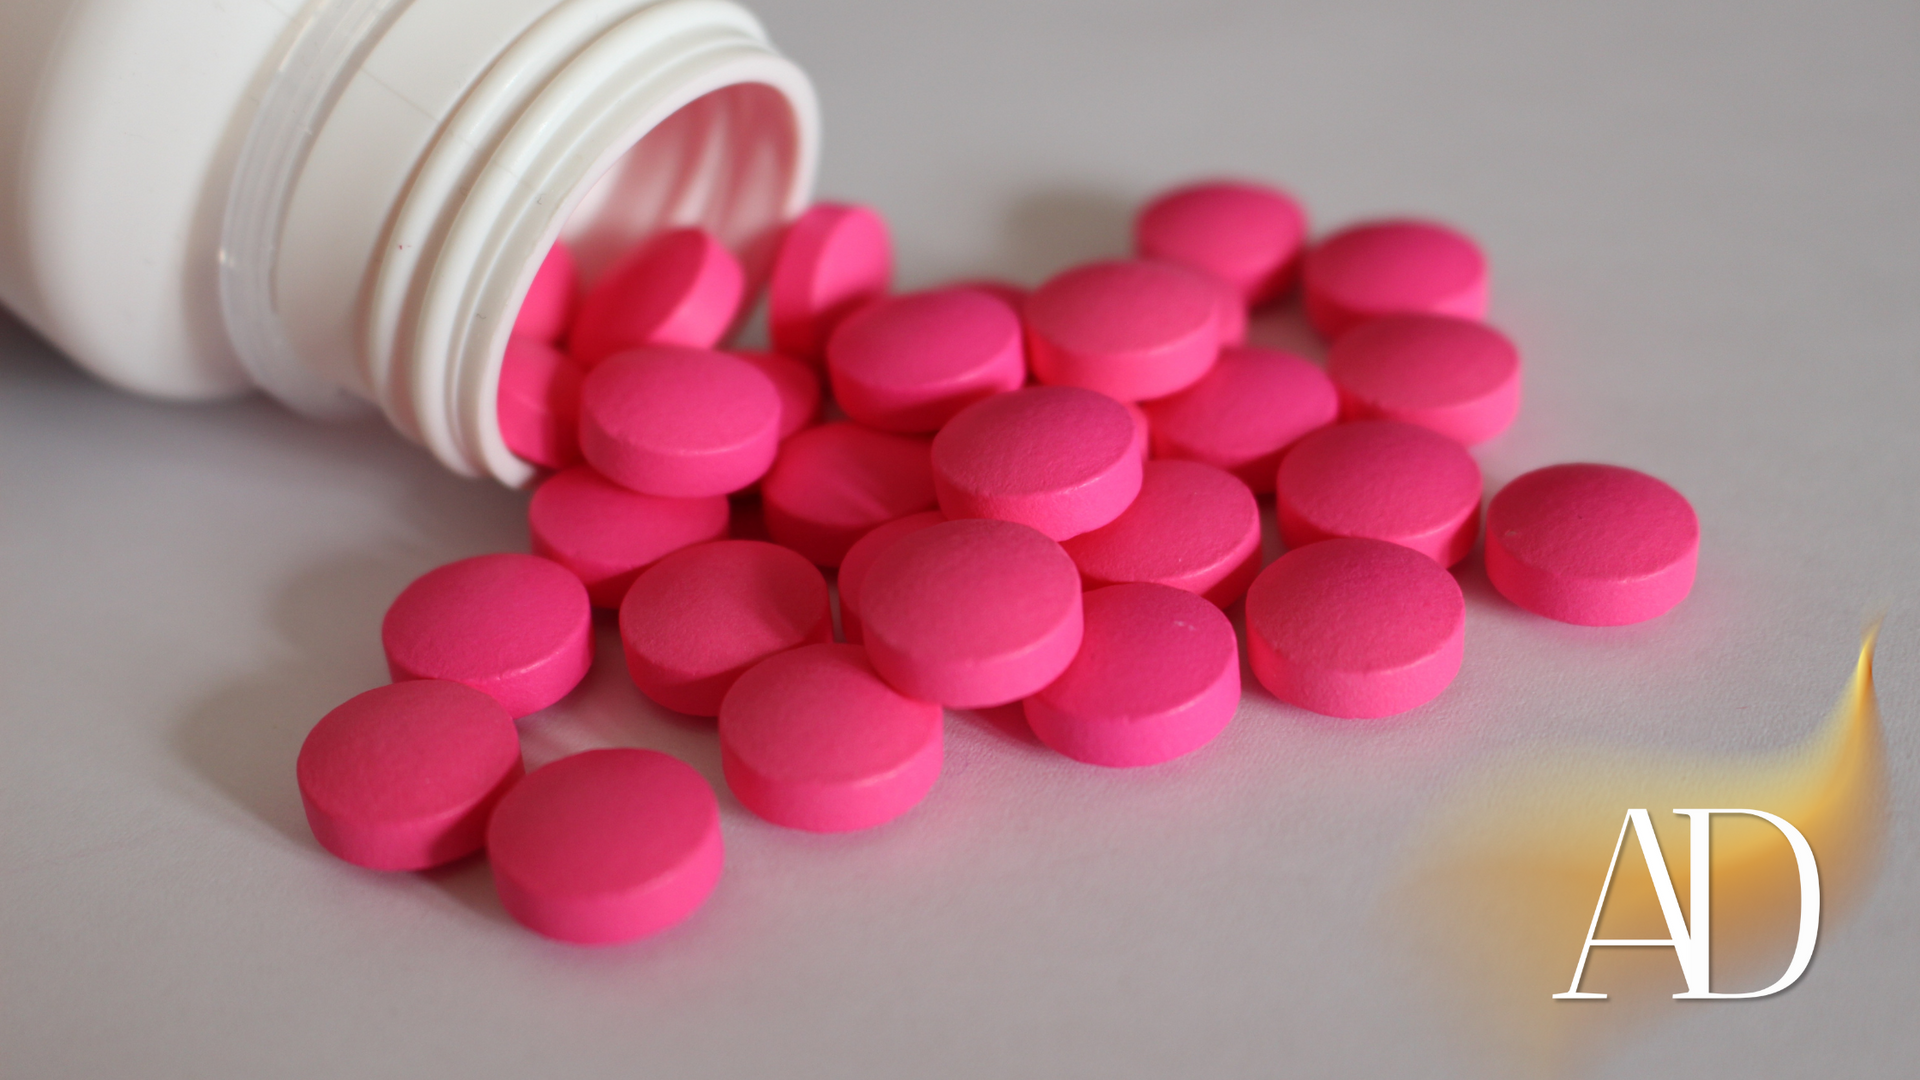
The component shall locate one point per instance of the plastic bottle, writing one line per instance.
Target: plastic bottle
(342, 201)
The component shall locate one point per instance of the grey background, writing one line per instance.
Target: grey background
(1705, 232)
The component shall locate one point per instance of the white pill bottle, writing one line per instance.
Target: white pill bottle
(342, 202)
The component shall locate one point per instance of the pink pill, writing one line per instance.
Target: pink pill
(1384, 480)
(1157, 676)
(679, 422)
(971, 613)
(547, 311)
(1385, 267)
(517, 627)
(1131, 329)
(1458, 377)
(404, 777)
(1233, 316)
(797, 384)
(1245, 413)
(1597, 545)
(539, 403)
(692, 622)
(1355, 628)
(814, 739)
(834, 483)
(908, 363)
(1142, 429)
(1193, 527)
(859, 559)
(1247, 235)
(1058, 458)
(606, 846)
(607, 534)
(681, 288)
(832, 260)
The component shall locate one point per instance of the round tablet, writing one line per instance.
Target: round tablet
(1247, 235)
(832, 260)
(1058, 458)
(539, 403)
(971, 613)
(1142, 429)
(1459, 377)
(859, 559)
(547, 310)
(1355, 628)
(814, 739)
(1233, 316)
(1383, 267)
(607, 534)
(681, 422)
(833, 483)
(404, 777)
(606, 846)
(1129, 328)
(908, 363)
(1157, 676)
(517, 627)
(1193, 527)
(692, 622)
(797, 384)
(1385, 480)
(681, 288)
(1597, 545)
(1244, 414)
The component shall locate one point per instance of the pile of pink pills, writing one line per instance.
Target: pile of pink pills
(1050, 497)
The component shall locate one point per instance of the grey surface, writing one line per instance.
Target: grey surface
(1706, 238)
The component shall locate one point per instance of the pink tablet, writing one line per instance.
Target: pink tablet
(1058, 458)
(1597, 545)
(679, 422)
(1384, 267)
(1355, 628)
(1245, 413)
(404, 777)
(1193, 527)
(1247, 235)
(971, 613)
(908, 363)
(1157, 676)
(681, 288)
(797, 384)
(548, 308)
(813, 739)
(1457, 376)
(1131, 329)
(606, 846)
(832, 260)
(539, 403)
(517, 627)
(607, 534)
(835, 482)
(692, 622)
(859, 559)
(1385, 480)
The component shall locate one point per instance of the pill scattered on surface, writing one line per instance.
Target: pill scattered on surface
(1458, 377)
(1128, 328)
(859, 559)
(834, 483)
(1597, 545)
(1355, 628)
(832, 260)
(814, 739)
(548, 308)
(797, 384)
(1244, 414)
(404, 776)
(607, 534)
(681, 422)
(909, 362)
(971, 613)
(606, 846)
(539, 403)
(1247, 235)
(1058, 458)
(683, 287)
(1385, 480)
(1384, 267)
(692, 622)
(517, 627)
(1193, 527)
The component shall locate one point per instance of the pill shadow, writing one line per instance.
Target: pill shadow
(1051, 229)
(1007, 724)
